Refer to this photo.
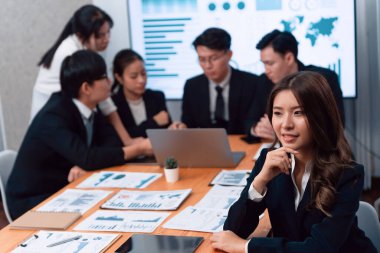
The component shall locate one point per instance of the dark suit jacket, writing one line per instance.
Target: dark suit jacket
(154, 103)
(55, 142)
(302, 230)
(196, 102)
(265, 86)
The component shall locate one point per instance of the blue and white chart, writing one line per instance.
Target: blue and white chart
(220, 197)
(147, 200)
(123, 221)
(74, 200)
(198, 219)
(116, 179)
(87, 243)
(231, 177)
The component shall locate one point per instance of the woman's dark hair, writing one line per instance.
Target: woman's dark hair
(332, 153)
(122, 60)
(86, 21)
(82, 66)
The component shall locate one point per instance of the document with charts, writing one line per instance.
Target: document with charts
(198, 219)
(123, 221)
(220, 197)
(42, 242)
(231, 177)
(147, 200)
(74, 200)
(117, 179)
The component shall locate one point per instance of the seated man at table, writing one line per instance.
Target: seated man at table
(67, 133)
(220, 97)
(278, 52)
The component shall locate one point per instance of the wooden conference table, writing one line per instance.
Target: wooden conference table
(195, 178)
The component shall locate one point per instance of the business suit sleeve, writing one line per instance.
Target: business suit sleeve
(57, 133)
(243, 216)
(332, 232)
(259, 103)
(187, 101)
(104, 133)
(154, 103)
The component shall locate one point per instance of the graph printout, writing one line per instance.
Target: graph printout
(198, 219)
(86, 242)
(147, 200)
(220, 197)
(231, 177)
(74, 200)
(123, 221)
(116, 179)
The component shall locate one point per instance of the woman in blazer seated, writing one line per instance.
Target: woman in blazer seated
(310, 185)
(139, 108)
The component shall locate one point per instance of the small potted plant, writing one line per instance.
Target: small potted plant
(171, 170)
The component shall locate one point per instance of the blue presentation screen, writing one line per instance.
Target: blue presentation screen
(162, 31)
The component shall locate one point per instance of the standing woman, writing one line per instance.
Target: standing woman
(89, 28)
(139, 108)
(310, 185)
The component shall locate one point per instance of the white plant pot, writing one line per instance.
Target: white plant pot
(171, 175)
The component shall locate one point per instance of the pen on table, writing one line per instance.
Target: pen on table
(27, 241)
(64, 241)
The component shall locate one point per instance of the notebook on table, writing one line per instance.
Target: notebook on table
(196, 147)
(45, 220)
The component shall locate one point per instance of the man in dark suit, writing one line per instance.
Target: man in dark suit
(67, 136)
(221, 97)
(278, 52)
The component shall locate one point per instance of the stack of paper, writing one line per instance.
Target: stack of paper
(231, 177)
(123, 221)
(210, 213)
(147, 200)
(58, 242)
(74, 200)
(117, 179)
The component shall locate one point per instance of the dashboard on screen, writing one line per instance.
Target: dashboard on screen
(162, 31)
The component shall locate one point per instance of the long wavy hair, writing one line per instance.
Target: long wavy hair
(331, 151)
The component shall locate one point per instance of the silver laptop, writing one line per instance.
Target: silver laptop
(197, 147)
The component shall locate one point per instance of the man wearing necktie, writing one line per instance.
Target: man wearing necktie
(68, 134)
(220, 97)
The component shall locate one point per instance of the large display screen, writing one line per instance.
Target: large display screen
(162, 31)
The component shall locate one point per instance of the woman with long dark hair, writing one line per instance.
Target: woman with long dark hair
(310, 185)
(89, 28)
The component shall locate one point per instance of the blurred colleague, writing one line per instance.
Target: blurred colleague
(278, 52)
(220, 97)
(89, 28)
(67, 136)
(139, 108)
(310, 186)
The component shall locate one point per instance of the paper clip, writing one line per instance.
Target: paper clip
(27, 241)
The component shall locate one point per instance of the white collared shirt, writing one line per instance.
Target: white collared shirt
(225, 84)
(85, 112)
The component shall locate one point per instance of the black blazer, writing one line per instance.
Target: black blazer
(154, 103)
(196, 102)
(302, 230)
(55, 142)
(265, 86)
